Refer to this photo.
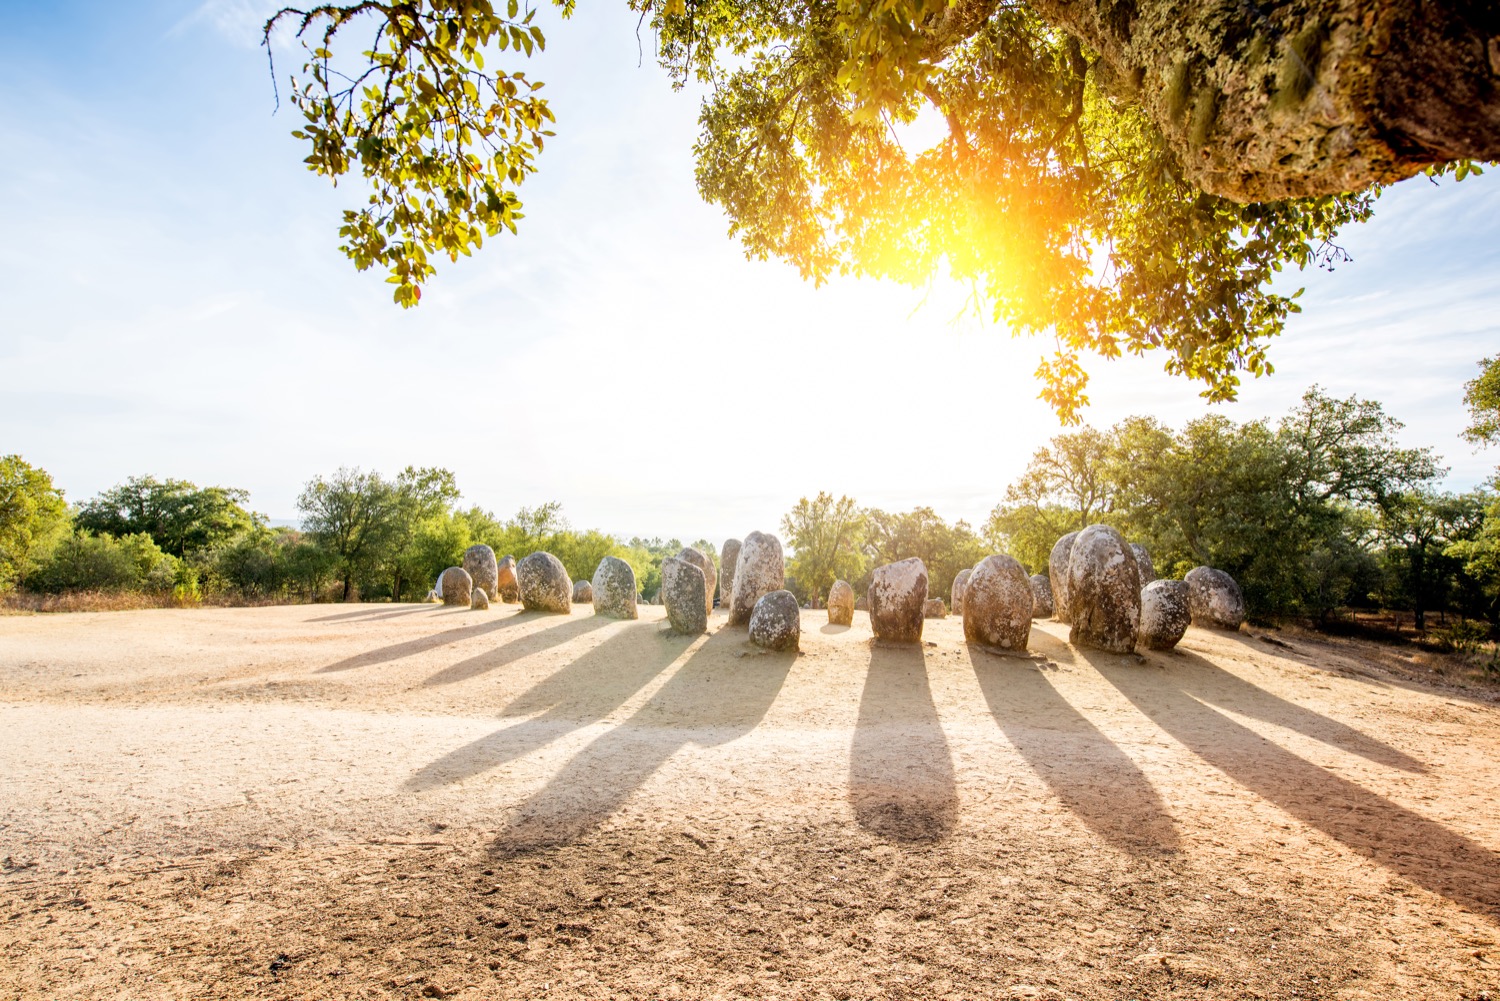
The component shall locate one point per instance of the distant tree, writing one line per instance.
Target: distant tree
(33, 516)
(87, 562)
(353, 515)
(944, 549)
(1480, 555)
(418, 497)
(178, 515)
(1482, 397)
(1067, 486)
(1419, 529)
(826, 537)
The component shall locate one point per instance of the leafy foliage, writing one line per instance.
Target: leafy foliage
(178, 516)
(1482, 397)
(32, 516)
(826, 537)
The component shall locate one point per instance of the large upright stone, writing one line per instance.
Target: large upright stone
(728, 556)
(682, 585)
(1104, 591)
(956, 593)
(480, 562)
(614, 589)
(456, 587)
(1164, 613)
(544, 584)
(704, 562)
(1143, 563)
(1041, 596)
(583, 592)
(758, 570)
(776, 622)
(505, 580)
(997, 604)
(898, 592)
(841, 604)
(1214, 599)
(1057, 573)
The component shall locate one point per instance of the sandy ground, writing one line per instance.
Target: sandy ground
(410, 801)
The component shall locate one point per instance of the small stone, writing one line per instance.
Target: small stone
(1164, 613)
(898, 592)
(841, 604)
(1041, 596)
(956, 592)
(682, 585)
(933, 608)
(505, 580)
(456, 587)
(1103, 592)
(1214, 599)
(544, 584)
(863, 604)
(583, 593)
(614, 589)
(703, 562)
(998, 604)
(1143, 563)
(776, 622)
(758, 571)
(729, 556)
(483, 569)
(1057, 573)
(480, 600)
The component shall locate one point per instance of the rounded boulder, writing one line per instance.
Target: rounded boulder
(1041, 596)
(583, 592)
(483, 569)
(759, 570)
(1214, 599)
(456, 587)
(1057, 573)
(776, 622)
(506, 582)
(682, 586)
(934, 608)
(997, 604)
(479, 600)
(614, 589)
(1103, 592)
(1164, 613)
(841, 604)
(544, 584)
(898, 594)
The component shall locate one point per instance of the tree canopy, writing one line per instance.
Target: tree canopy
(1092, 186)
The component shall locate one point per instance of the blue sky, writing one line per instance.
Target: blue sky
(175, 304)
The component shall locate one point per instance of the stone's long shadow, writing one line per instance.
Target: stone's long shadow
(707, 702)
(1411, 845)
(567, 628)
(370, 613)
(901, 781)
(422, 644)
(585, 691)
(1080, 765)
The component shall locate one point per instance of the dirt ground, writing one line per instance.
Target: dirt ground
(415, 802)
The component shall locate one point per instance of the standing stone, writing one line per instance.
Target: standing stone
(1104, 591)
(728, 556)
(480, 600)
(614, 589)
(775, 622)
(1164, 613)
(583, 593)
(1041, 596)
(898, 592)
(483, 569)
(682, 585)
(1214, 599)
(759, 569)
(997, 604)
(544, 584)
(1143, 563)
(456, 586)
(960, 581)
(703, 562)
(1057, 574)
(933, 608)
(863, 604)
(505, 580)
(841, 604)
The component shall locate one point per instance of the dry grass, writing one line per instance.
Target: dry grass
(27, 603)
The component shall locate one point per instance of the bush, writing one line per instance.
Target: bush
(84, 562)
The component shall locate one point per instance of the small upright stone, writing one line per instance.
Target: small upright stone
(1143, 563)
(1214, 599)
(933, 608)
(456, 587)
(956, 593)
(1104, 591)
(776, 622)
(614, 589)
(862, 604)
(758, 570)
(1041, 596)
(997, 604)
(506, 582)
(483, 569)
(1057, 574)
(544, 584)
(704, 562)
(841, 604)
(1164, 613)
(480, 600)
(682, 585)
(898, 592)
(729, 555)
(583, 593)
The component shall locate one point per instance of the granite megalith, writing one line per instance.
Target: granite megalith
(1164, 613)
(956, 592)
(934, 608)
(997, 604)
(1103, 591)
(505, 580)
(728, 557)
(479, 600)
(614, 589)
(483, 569)
(1057, 574)
(583, 592)
(1143, 563)
(776, 622)
(759, 569)
(704, 562)
(841, 604)
(898, 592)
(682, 585)
(1214, 599)
(544, 584)
(456, 587)
(1041, 596)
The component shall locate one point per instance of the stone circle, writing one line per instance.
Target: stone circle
(682, 585)
(776, 622)
(1214, 599)
(544, 584)
(997, 604)
(759, 569)
(1164, 613)
(898, 592)
(1103, 592)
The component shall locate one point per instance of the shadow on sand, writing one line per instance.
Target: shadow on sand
(566, 628)
(432, 641)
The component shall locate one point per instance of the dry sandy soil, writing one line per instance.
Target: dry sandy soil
(411, 801)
